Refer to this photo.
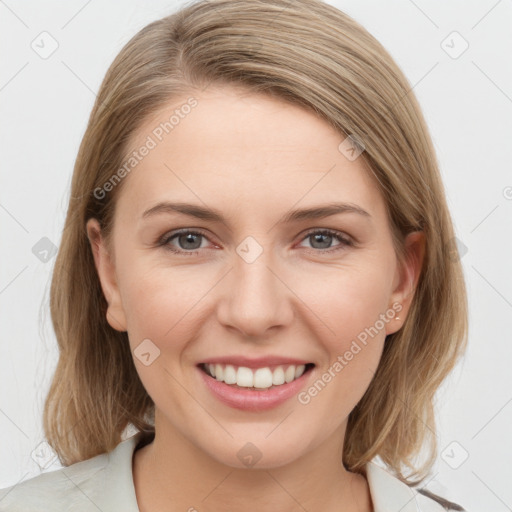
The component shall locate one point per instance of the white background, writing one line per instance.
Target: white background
(467, 101)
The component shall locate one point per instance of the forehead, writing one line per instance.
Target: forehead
(234, 148)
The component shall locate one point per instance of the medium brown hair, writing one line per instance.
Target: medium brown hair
(315, 56)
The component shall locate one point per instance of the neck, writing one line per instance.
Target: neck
(171, 470)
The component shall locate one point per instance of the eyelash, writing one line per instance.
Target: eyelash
(344, 241)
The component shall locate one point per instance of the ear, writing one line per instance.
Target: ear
(406, 279)
(107, 276)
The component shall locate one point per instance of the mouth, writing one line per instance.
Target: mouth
(257, 379)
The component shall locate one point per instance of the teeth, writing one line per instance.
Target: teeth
(289, 374)
(245, 377)
(230, 375)
(278, 376)
(261, 378)
(219, 372)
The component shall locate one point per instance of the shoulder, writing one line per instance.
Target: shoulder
(390, 493)
(103, 482)
(55, 490)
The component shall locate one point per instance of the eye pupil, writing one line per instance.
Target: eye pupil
(189, 238)
(318, 238)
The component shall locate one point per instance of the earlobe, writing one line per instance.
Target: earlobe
(409, 274)
(107, 276)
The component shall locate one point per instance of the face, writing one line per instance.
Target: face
(256, 282)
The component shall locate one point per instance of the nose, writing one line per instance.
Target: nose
(256, 297)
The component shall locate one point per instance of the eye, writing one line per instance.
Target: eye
(323, 238)
(190, 241)
(187, 240)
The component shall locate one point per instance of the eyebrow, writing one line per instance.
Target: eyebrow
(211, 214)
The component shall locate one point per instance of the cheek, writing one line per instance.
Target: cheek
(162, 305)
(351, 306)
(349, 302)
(159, 302)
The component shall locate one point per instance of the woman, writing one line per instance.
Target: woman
(306, 330)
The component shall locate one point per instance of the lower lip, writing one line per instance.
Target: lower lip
(250, 399)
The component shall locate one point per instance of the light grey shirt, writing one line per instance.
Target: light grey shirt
(105, 484)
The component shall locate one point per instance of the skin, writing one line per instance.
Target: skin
(253, 158)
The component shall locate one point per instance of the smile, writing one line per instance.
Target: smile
(254, 389)
(255, 378)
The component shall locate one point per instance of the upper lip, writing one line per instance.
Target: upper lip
(256, 362)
